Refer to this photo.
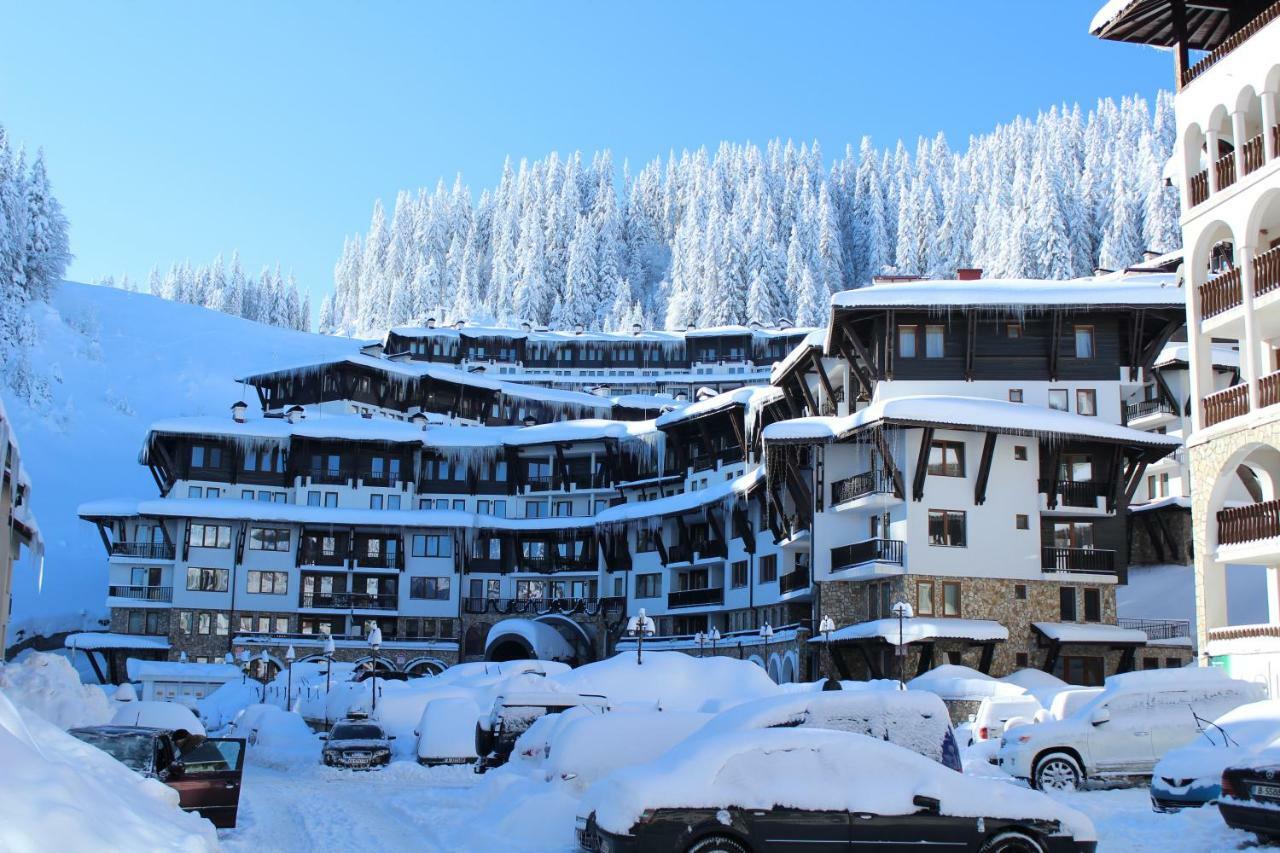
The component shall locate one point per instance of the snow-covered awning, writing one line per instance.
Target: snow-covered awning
(166, 670)
(750, 397)
(919, 629)
(1140, 290)
(1073, 632)
(1179, 355)
(1173, 501)
(101, 641)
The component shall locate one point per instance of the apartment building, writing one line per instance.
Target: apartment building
(20, 528)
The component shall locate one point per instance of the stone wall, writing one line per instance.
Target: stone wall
(1177, 521)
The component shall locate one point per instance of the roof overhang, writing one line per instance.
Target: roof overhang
(1152, 22)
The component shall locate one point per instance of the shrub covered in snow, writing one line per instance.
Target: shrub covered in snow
(50, 686)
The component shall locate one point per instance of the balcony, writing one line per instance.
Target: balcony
(1253, 155)
(337, 476)
(1240, 524)
(1147, 409)
(1226, 169)
(379, 478)
(797, 579)
(696, 597)
(141, 593)
(347, 601)
(144, 550)
(1221, 293)
(679, 554)
(538, 484)
(1158, 629)
(1269, 389)
(318, 557)
(382, 560)
(1237, 38)
(1226, 404)
(1198, 187)
(868, 551)
(1081, 494)
(1266, 269)
(1082, 561)
(860, 485)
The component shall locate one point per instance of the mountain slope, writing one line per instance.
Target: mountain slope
(117, 361)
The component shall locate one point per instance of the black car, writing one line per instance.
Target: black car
(1250, 799)
(358, 744)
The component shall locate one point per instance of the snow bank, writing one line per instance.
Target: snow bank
(48, 685)
(157, 715)
(591, 746)
(57, 792)
(219, 708)
(953, 682)
(1040, 684)
(673, 680)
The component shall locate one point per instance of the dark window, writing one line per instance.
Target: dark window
(951, 598)
(1020, 453)
(206, 580)
(1087, 402)
(1020, 591)
(1022, 522)
(269, 539)
(1092, 605)
(739, 574)
(946, 459)
(433, 545)
(1151, 663)
(769, 568)
(268, 583)
(1067, 603)
(946, 527)
(648, 586)
(1021, 660)
(1013, 330)
(436, 588)
(1015, 395)
(209, 536)
(1084, 342)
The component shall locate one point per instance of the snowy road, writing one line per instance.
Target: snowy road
(410, 808)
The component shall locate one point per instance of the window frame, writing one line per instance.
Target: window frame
(947, 515)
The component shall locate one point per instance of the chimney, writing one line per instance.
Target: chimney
(293, 414)
(458, 324)
(237, 411)
(431, 322)
(784, 323)
(636, 328)
(418, 419)
(969, 273)
(579, 329)
(755, 325)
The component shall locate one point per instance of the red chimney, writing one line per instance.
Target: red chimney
(969, 273)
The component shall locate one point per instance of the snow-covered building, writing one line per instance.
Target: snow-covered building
(19, 525)
(1227, 166)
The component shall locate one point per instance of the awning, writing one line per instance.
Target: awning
(919, 629)
(91, 641)
(1097, 634)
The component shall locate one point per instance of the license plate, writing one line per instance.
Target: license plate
(1270, 792)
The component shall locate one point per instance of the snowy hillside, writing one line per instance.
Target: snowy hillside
(116, 361)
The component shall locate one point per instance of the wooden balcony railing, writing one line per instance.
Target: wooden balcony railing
(1226, 404)
(317, 557)
(145, 550)
(696, 597)
(1085, 561)
(1198, 187)
(1221, 293)
(1077, 493)
(1266, 272)
(1226, 167)
(1269, 389)
(329, 475)
(1146, 408)
(1236, 39)
(1250, 523)
(141, 593)
(797, 578)
(868, 551)
(859, 485)
(1252, 154)
(348, 601)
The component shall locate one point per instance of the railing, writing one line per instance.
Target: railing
(1086, 561)
(1266, 272)
(316, 557)
(702, 461)
(1157, 629)
(1253, 154)
(1146, 408)
(146, 550)
(329, 475)
(590, 606)
(141, 593)
(1226, 404)
(1221, 293)
(348, 601)
(1236, 39)
(382, 560)
(538, 484)
(859, 485)
(1226, 167)
(868, 551)
(796, 579)
(1198, 187)
(1077, 493)
(1249, 523)
(379, 478)
(1269, 389)
(679, 554)
(696, 597)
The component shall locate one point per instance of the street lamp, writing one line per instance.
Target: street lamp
(328, 674)
(289, 655)
(826, 626)
(715, 638)
(700, 638)
(229, 659)
(266, 659)
(640, 627)
(182, 657)
(245, 659)
(903, 611)
(375, 641)
(766, 634)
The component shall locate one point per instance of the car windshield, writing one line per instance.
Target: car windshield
(356, 732)
(133, 751)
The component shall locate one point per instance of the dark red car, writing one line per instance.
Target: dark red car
(206, 772)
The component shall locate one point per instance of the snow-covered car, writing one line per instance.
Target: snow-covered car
(511, 716)
(446, 731)
(358, 744)
(962, 688)
(996, 711)
(1192, 775)
(1124, 730)
(1067, 702)
(914, 719)
(588, 747)
(810, 789)
(158, 715)
(1250, 795)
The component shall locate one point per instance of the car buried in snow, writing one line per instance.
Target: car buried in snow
(783, 790)
(511, 716)
(1191, 776)
(356, 744)
(1249, 799)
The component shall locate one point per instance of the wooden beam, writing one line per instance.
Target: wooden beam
(846, 352)
(922, 465)
(872, 369)
(1153, 347)
(1137, 478)
(106, 541)
(1149, 526)
(970, 342)
(807, 394)
(899, 487)
(889, 342)
(823, 378)
(1051, 659)
(988, 652)
(1135, 345)
(1051, 497)
(926, 659)
(984, 469)
(1055, 334)
(740, 433)
(743, 522)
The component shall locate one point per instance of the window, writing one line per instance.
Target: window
(206, 580)
(1015, 395)
(459, 504)
(739, 578)
(950, 598)
(1020, 591)
(375, 501)
(246, 494)
(268, 539)
(1087, 402)
(206, 457)
(563, 509)
(222, 624)
(1084, 341)
(204, 623)
(1013, 330)
(933, 341)
(1058, 399)
(946, 459)
(184, 621)
(1021, 660)
(209, 536)
(646, 540)
(1073, 534)
(879, 595)
(1022, 522)
(393, 501)
(313, 499)
(907, 341)
(269, 583)
(534, 550)
(1150, 663)
(1092, 605)
(330, 499)
(1019, 453)
(769, 568)
(648, 586)
(924, 598)
(946, 527)
(535, 509)
(195, 492)
(434, 545)
(435, 589)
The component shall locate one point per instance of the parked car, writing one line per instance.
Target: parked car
(206, 772)
(158, 715)
(996, 711)
(446, 731)
(801, 789)
(1192, 775)
(512, 714)
(357, 743)
(1067, 702)
(1124, 730)
(1250, 795)
(587, 747)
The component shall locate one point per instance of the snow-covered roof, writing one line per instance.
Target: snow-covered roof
(1136, 289)
(1180, 353)
(956, 682)
(1108, 13)
(816, 338)
(569, 336)
(94, 641)
(751, 397)
(1073, 632)
(1162, 503)
(140, 670)
(917, 629)
(683, 502)
(969, 412)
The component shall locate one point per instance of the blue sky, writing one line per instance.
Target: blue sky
(177, 130)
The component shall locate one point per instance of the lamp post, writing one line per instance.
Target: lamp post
(289, 655)
(640, 626)
(245, 659)
(229, 659)
(766, 634)
(328, 674)
(715, 638)
(182, 657)
(903, 611)
(266, 659)
(826, 626)
(375, 641)
(700, 638)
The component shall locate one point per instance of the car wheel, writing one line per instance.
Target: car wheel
(717, 844)
(1012, 842)
(1057, 772)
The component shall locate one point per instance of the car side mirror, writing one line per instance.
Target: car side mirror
(1100, 716)
(176, 769)
(323, 736)
(931, 805)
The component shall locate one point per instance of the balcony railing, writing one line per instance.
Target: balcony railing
(141, 593)
(860, 485)
(382, 560)
(796, 579)
(1157, 629)
(1250, 523)
(1269, 389)
(329, 475)
(1221, 293)
(1226, 167)
(679, 554)
(379, 478)
(611, 606)
(1198, 187)
(1226, 404)
(1266, 272)
(1077, 493)
(538, 484)
(1236, 39)
(696, 597)
(348, 601)
(1146, 408)
(317, 557)
(146, 550)
(868, 551)
(1253, 154)
(1086, 561)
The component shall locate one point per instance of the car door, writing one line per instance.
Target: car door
(790, 830)
(1122, 743)
(1173, 721)
(924, 830)
(209, 781)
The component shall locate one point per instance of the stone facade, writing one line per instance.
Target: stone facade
(1176, 521)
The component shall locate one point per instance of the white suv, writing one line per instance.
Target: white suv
(1125, 729)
